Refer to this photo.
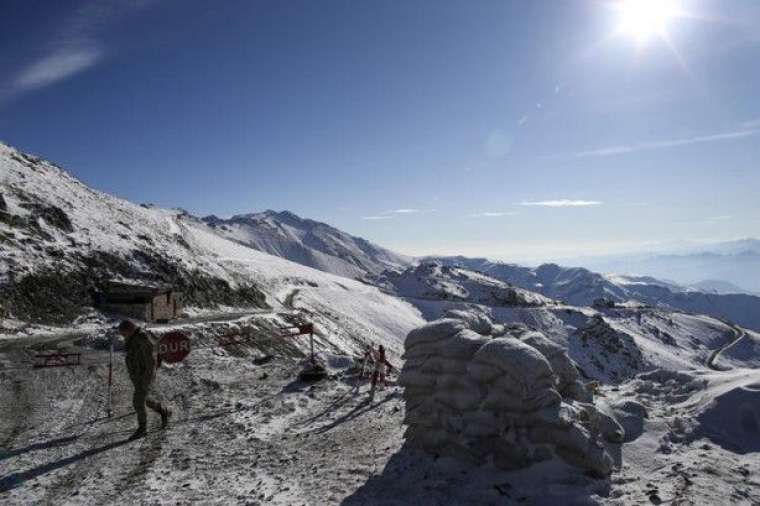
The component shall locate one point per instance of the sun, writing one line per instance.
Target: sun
(643, 19)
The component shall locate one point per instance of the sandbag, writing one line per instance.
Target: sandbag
(519, 359)
(479, 430)
(440, 365)
(483, 373)
(462, 345)
(457, 399)
(424, 414)
(508, 383)
(411, 378)
(458, 381)
(432, 333)
(483, 418)
(474, 321)
(501, 401)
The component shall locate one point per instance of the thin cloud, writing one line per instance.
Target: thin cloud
(402, 211)
(493, 214)
(378, 217)
(719, 219)
(75, 47)
(522, 120)
(56, 67)
(648, 146)
(753, 124)
(562, 203)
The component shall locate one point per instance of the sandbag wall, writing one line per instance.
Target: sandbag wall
(486, 399)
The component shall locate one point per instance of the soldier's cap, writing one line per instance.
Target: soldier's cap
(125, 326)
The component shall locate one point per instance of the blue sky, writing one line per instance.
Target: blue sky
(515, 130)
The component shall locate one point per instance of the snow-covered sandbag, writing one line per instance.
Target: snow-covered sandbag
(483, 418)
(440, 365)
(509, 383)
(425, 414)
(462, 345)
(521, 361)
(502, 401)
(479, 430)
(459, 382)
(484, 373)
(562, 366)
(432, 333)
(602, 422)
(458, 399)
(475, 321)
(412, 378)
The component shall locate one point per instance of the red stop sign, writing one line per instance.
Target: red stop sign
(173, 347)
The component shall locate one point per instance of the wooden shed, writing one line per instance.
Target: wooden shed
(150, 303)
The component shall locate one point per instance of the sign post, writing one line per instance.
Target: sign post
(109, 408)
(173, 347)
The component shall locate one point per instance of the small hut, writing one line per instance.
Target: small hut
(150, 303)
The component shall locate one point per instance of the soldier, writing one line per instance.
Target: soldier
(381, 366)
(141, 366)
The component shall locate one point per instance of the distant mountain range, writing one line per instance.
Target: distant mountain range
(580, 287)
(734, 264)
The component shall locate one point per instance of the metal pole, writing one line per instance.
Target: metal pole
(109, 410)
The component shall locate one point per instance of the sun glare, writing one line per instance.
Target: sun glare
(643, 19)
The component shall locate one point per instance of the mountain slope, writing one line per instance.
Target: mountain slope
(309, 243)
(60, 239)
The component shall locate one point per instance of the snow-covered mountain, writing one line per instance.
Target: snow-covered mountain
(433, 281)
(309, 243)
(581, 287)
(60, 239)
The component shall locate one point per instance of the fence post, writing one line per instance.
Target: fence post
(109, 410)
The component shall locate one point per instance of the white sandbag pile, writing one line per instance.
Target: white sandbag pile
(495, 399)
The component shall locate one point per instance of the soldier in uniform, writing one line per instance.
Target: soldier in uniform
(141, 366)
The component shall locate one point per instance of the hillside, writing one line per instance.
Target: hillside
(61, 239)
(308, 242)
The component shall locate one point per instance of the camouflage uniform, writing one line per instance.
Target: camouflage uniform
(141, 366)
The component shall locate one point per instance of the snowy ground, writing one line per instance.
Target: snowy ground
(245, 431)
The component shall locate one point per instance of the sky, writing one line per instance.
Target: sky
(515, 130)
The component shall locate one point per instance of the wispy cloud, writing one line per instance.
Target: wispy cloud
(75, 47)
(402, 211)
(562, 203)
(378, 217)
(751, 124)
(719, 219)
(493, 214)
(55, 67)
(673, 143)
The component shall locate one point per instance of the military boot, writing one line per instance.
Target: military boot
(166, 413)
(140, 432)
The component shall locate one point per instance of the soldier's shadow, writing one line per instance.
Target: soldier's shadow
(13, 480)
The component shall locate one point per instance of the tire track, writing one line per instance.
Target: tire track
(739, 334)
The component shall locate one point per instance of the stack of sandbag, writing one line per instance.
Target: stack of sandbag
(486, 399)
(569, 383)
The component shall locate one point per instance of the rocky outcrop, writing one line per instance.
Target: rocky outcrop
(497, 400)
(613, 356)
